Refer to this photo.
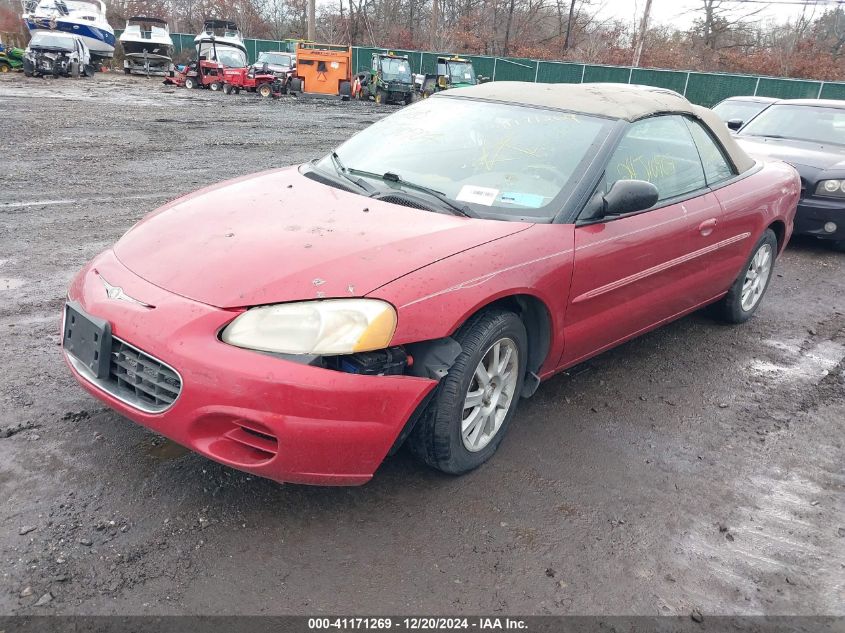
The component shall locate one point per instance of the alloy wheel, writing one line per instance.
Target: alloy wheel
(490, 394)
(756, 277)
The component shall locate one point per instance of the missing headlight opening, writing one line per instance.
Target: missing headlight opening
(427, 359)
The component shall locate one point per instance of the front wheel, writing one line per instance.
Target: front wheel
(4, 67)
(265, 90)
(191, 83)
(747, 291)
(216, 86)
(381, 96)
(468, 417)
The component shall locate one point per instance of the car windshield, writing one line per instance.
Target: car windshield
(229, 56)
(461, 72)
(503, 161)
(277, 59)
(52, 40)
(395, 70)
(818, 124)
(742, 110)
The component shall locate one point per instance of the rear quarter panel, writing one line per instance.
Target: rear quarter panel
(751, 205)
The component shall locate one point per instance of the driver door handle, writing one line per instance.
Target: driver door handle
(706, 227)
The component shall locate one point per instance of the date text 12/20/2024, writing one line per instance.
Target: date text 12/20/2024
(417, 623)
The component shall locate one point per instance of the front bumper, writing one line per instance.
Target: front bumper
(814, 213)
(274, 418)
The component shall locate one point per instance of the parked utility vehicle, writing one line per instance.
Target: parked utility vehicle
(11, 57)
(323, 69)
(452, 72)
(389, 80)
(261, 81)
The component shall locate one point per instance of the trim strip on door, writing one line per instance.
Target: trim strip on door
(648, 272)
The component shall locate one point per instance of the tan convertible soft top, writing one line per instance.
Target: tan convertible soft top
(619, 101)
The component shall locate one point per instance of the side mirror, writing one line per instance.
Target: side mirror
(628, 196)
(735, 124)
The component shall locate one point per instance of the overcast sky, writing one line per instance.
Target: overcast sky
(682, 12)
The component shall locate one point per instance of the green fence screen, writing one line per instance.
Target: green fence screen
(705, 89)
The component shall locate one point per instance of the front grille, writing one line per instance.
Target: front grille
(141, 380)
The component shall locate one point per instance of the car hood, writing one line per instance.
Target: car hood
(279, 236)
(804, 153)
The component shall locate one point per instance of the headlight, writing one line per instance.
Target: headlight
(831, 188)
(331, 326)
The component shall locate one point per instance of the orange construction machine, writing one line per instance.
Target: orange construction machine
(323, 69)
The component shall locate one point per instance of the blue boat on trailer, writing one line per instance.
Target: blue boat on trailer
(84, 18)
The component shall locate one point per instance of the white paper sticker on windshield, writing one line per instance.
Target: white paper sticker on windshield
(467, 76)
(477, 195)
(335, 65)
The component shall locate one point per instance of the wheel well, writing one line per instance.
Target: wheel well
(779, 229)
(538, 325)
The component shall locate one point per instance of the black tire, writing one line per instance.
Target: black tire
(4, 67)
(345, 90)
(436, 438)
(127, 71)
(216, 86)
(296, 84)
(265, 90)
(730, 309)
(28, 68)
(408, 99)
(191, 83)
(227, 88)
(88, 70)
(381, 96)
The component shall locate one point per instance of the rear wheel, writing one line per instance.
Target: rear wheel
(345, 91)
(227, 89)
(296, 84)
(191, 83)
(216, 86)
(465, 422)
(747, 291)
(381, 96)
(408, 98)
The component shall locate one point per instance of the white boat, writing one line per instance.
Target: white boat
(147, 47)
(84, 18)
(221, 41)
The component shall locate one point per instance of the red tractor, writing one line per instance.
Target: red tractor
(202, 74)
(263, 82)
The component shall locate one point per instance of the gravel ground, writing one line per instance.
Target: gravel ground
(699, 467)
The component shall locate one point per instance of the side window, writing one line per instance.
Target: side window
(716, 165)
(660, 150)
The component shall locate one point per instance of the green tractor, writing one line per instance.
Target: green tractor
(389, 80)
(11, 58)
(452, 72)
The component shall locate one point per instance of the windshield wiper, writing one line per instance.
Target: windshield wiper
(343, 172)
(389, 176)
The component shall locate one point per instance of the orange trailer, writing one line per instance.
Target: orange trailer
(324, 69)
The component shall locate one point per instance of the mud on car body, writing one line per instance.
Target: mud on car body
(57, 54)
(312, 319)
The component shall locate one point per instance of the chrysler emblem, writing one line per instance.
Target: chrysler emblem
(116, 293)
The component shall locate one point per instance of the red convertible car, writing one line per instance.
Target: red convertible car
(414, 284)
